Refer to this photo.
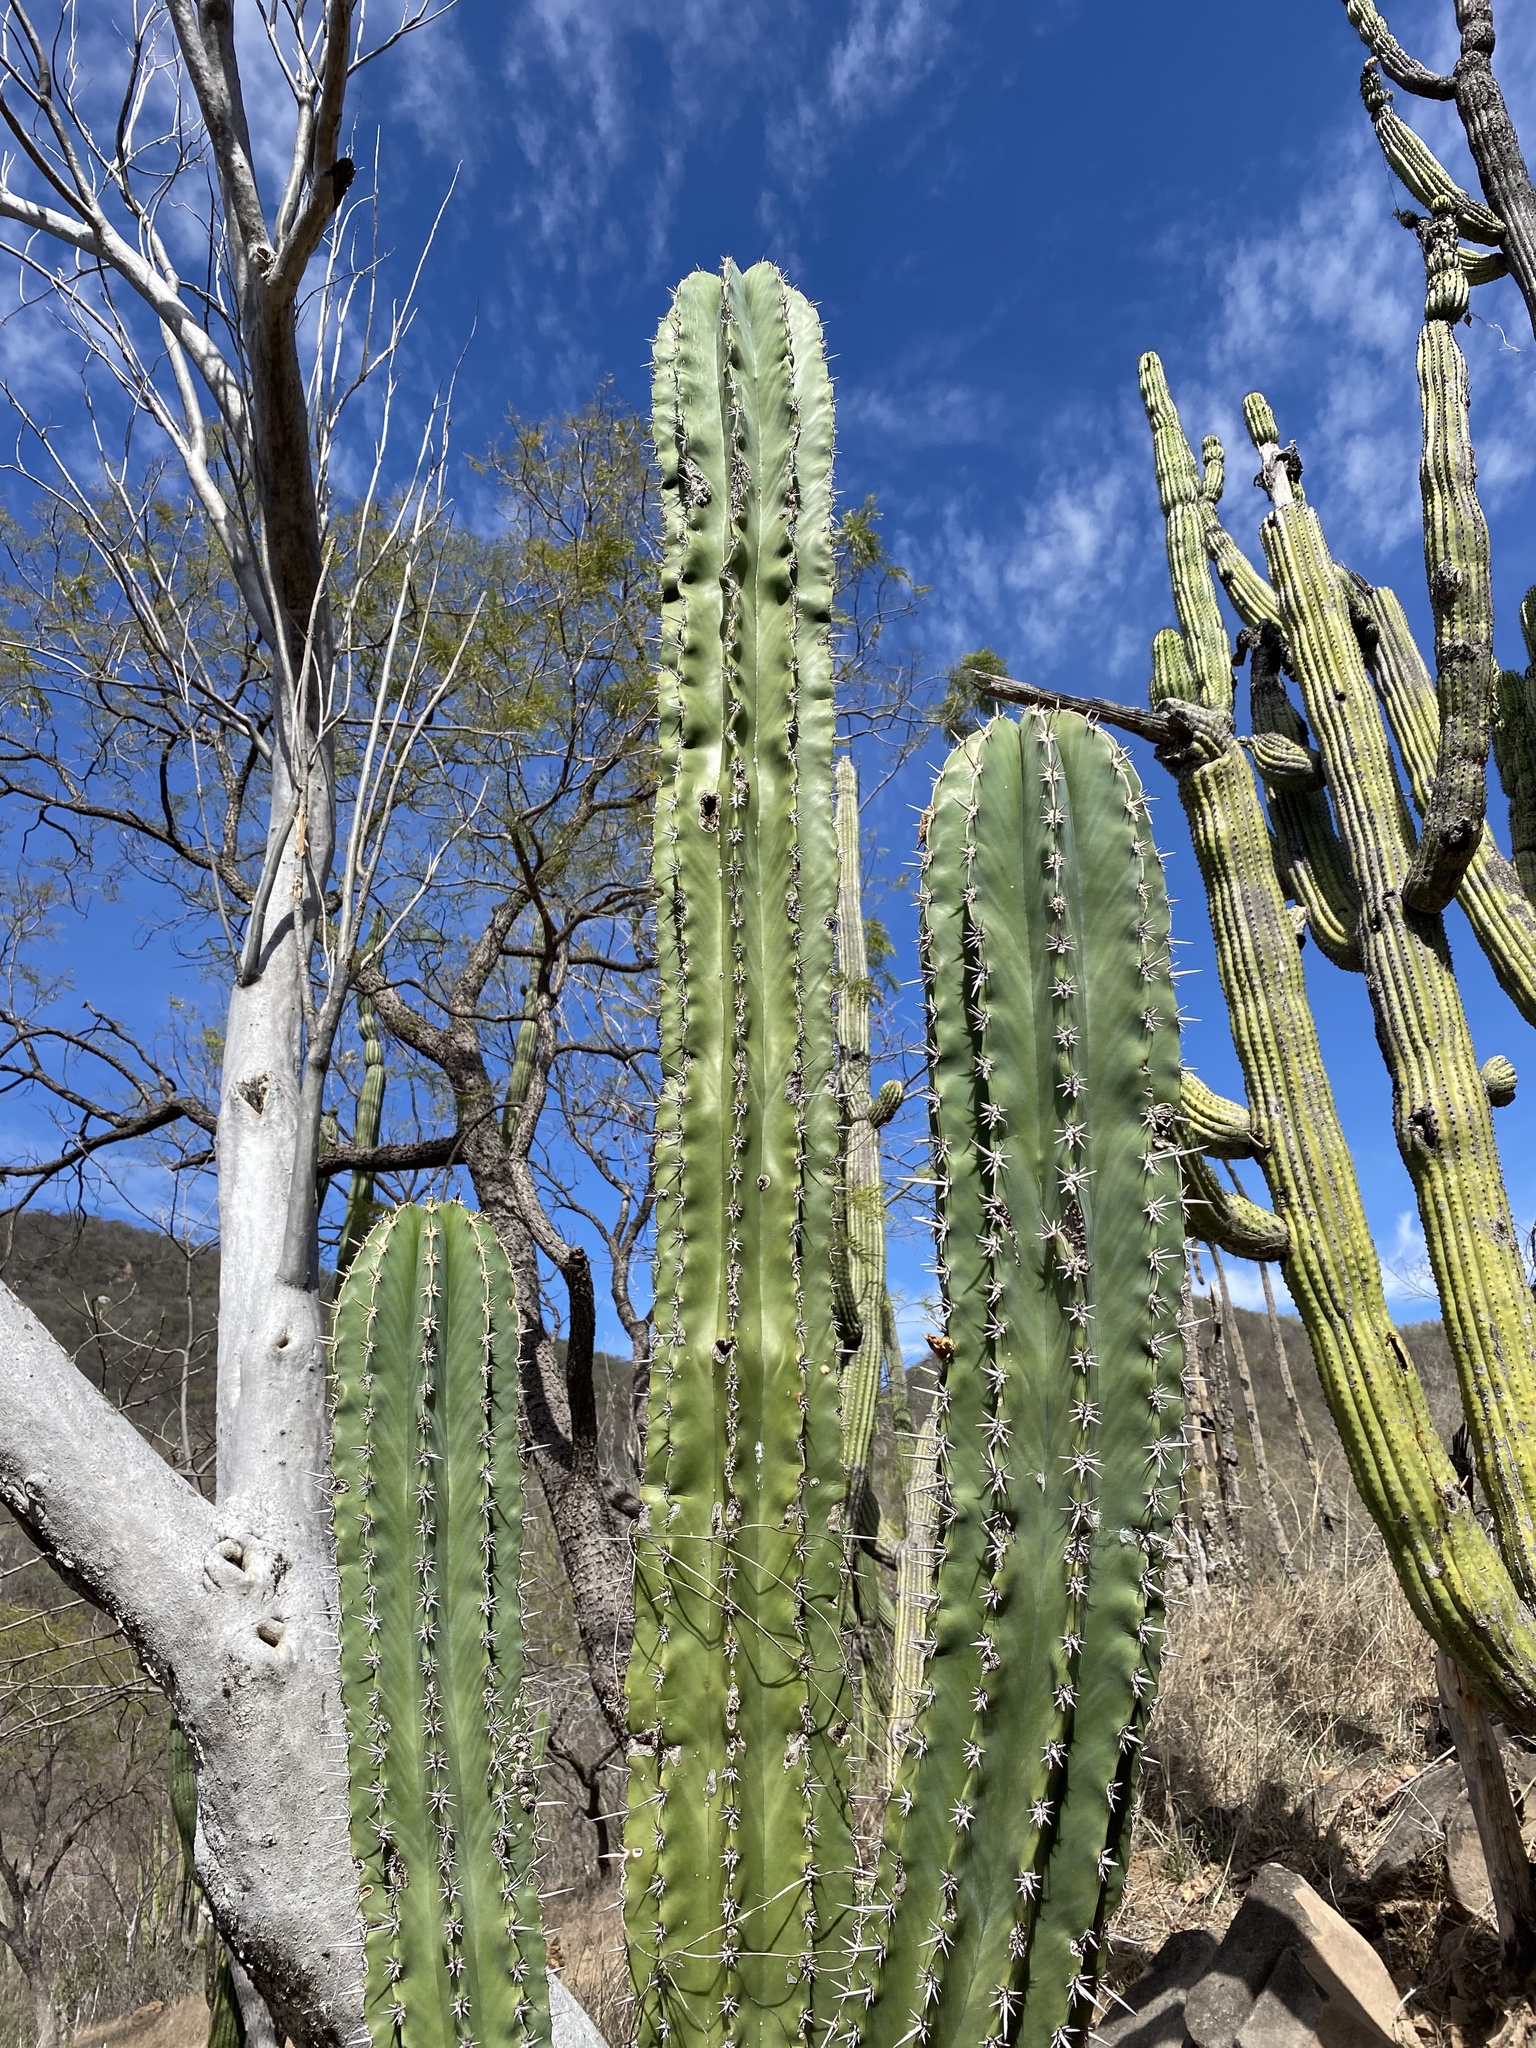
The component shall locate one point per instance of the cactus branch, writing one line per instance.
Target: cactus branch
(1411, 159)
(1491, 137)
(428, 1517)
(1457, 564)
(1403, 70)
(1229, 1220)
(1493, 895)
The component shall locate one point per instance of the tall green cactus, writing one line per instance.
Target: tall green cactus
(738, 1880)
(362, 1207)
(865, 1114)
(428, 1517)
(1054, 1046)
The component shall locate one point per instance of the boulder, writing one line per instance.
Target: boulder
(1417, 1829)
(1150, 2012)
(1338, 1959)
(1217, 2007)
(1282, 1917)
(1286, 2012)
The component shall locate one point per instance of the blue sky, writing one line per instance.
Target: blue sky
(997, 208)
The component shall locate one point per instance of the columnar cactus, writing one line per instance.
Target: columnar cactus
(864, 1114)
(362, 1207)
(1473, 1592)
(1054, 1046)
(428, 1516)
(738, 1879)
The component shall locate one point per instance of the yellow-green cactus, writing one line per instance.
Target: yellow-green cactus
(1472, 1592)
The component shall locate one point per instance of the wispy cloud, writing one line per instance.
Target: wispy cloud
(931, 413)
(586, 78)
(888, 47)
(1049, 588)
(1245, 1284)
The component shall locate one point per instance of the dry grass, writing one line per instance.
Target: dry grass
(1290, 1719)
(1287, 1716)
(183, 2024)
(586, 1945)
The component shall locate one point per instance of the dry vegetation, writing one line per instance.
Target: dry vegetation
(1293, 1723)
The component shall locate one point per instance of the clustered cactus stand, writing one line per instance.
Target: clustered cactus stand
(1029, 1613)
(1006, 1687)
(1304, 830)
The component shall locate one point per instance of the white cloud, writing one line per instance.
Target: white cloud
(888, 47)
(582, 73)
(1051, 584)
(1322, 310)
(923, 414)
(1245, 1284)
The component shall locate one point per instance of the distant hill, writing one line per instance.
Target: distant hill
(133, 1308)
(135, 1311)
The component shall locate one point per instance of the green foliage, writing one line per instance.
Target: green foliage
(966, 697)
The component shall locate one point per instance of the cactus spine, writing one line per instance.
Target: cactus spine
(428, 1515)
(738, 1879)
(1053, 1040)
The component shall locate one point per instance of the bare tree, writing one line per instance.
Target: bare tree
(78, 1744)
(289, 714)
(230, 1604)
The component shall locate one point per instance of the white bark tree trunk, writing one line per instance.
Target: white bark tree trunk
(236, 1624)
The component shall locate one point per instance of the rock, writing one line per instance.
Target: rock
(1283, 1912)
(1340, 1961)
(570, 2025)
(1150, 2012)
(1465, 1870)
(1418, 1824)
(1215, 2010)
(1286, 2012)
